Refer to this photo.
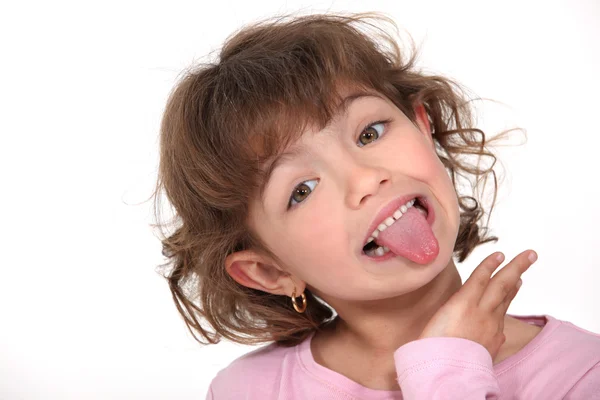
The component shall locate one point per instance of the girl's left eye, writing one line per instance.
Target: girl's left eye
(302, 191)
(371, 133)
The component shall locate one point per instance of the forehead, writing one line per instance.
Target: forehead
(349, 109)
(285, 120)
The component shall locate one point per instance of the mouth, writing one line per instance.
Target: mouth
(388, 216)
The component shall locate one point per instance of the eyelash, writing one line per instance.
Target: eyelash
(290, 205)
(384, 122)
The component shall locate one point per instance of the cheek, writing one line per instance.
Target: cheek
(312, 243)
(414, 155)
(444, 192)
(318, 231)
(422, 163)
(310, 234)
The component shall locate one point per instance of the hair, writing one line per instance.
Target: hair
(224, 122)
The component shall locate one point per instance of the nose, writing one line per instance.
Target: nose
(364, 181)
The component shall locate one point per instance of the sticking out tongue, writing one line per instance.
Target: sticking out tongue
(411, 237)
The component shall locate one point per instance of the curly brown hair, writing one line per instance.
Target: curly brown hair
(225, 120)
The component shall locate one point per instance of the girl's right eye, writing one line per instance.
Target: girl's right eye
(302, 191)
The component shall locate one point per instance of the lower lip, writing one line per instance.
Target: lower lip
(384, 257)
(430, 220)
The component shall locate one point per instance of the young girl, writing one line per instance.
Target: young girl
(316, 178)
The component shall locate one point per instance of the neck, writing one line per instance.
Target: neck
(382, 326)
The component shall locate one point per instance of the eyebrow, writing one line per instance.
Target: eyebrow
(294, 152)
(279, 160)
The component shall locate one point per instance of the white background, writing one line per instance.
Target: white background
(83, 312)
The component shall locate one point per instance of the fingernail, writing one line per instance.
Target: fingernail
(532, 257)
(500, 257)
(519, 283)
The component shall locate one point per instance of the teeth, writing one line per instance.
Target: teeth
(389, 221)
(378, 252)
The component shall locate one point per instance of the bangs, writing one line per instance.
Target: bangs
(267, 93)
(273, 82)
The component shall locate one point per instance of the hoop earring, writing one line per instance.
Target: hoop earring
(298, 309)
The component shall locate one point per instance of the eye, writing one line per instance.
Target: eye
(371, 132)
(302, 191)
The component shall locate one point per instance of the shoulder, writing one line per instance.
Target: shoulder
(576, 342)
(561, 339)
(579, 346)
(561, 355)
(259, 370)
(582, 356)
(567, 342)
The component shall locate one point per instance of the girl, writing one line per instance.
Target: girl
(316, 178)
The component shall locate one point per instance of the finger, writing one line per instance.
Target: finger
(505, 280)
(503, 307)
(477, 283)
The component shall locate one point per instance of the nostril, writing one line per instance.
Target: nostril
(364, 199)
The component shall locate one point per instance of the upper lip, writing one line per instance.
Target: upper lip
(387, 211)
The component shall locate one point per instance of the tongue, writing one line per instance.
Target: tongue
(411, 237)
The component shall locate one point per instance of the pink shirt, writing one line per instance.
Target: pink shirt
(561, 362)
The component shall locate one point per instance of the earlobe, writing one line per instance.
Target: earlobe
(253, 270)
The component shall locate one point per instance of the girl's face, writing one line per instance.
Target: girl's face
(327, 190)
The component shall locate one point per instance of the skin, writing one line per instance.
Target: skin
(381, 305)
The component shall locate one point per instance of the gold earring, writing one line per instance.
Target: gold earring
(298, 309)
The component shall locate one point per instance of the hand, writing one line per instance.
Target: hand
(476, 312)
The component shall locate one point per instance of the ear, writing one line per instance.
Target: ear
(253, 270)
(422, 120)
